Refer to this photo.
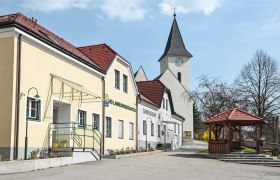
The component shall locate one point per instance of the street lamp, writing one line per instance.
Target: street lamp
(26, 127)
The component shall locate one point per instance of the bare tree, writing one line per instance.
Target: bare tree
(213, 96)
(258, 85)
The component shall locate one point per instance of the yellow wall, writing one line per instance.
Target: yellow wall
(118, 113)
(37, 65)
(7, 90)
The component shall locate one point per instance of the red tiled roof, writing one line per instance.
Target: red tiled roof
(234, 114)
(32, 25)
(101, 54)
(153, 90)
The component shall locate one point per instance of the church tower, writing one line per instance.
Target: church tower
(176, 57)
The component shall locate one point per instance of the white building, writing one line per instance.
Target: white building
(158, 124)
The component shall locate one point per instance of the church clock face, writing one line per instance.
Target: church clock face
(179, 61)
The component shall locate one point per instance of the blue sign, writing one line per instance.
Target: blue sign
(106, 101)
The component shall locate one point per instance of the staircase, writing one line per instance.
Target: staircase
(250, 158)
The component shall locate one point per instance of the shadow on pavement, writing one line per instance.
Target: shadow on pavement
(190, 156)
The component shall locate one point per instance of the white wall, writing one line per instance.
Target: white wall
(163, 117)
(181, 101)
(153, 140)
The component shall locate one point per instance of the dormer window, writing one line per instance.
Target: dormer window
(163, 103)
(167, 104)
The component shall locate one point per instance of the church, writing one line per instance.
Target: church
(175, 76)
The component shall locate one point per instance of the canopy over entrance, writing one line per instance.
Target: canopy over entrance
(226, 127)
(74, 90)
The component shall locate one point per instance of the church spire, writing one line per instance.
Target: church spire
(175, 44)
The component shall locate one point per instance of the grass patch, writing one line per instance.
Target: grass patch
(249, 150)
(203, 151)
(269, 153)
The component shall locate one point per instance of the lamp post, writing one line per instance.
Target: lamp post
(26, 127)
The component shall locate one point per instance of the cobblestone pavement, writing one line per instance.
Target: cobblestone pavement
(168, 165)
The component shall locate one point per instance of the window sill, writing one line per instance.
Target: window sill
(120, 137)
(131, 139)
(108, 136)
(34, 119)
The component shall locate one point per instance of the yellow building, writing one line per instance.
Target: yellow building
(120, 88)
(52, 94)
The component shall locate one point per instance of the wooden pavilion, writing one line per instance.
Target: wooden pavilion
(226, 127)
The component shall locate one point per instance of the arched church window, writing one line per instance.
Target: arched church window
(179, 76)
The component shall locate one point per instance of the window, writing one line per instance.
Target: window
(120, 129)
(158, 133)
(108, 127)
(82, 118)
(179, 76)
(152, 129)
(95, 120)
(174, 128)
(124, 83)
(179, 129)
(131, 131)
(33, 109)
(117, 79)
(163, 103)
(144, 127)
(167, 104)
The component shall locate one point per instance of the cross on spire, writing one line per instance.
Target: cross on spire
(174, 14)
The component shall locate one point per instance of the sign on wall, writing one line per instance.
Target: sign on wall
(106, 101)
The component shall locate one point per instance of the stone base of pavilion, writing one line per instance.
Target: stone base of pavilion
(227, 126)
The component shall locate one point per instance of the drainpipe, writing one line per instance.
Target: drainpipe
(103, 115)
(17, 102)
(138, 100)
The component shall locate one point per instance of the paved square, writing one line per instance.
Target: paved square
(167, 165)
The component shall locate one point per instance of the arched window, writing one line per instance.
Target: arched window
(179, 76)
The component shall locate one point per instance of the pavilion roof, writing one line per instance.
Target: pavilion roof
(236, 116)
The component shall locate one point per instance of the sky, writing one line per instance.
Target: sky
(222, 35)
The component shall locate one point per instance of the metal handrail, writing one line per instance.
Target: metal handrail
(78, 139)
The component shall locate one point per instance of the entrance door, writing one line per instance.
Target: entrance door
(55, 121)
(55, 115)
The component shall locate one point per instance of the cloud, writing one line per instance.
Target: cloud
(125, 10)
(54, 5)
(272, 25)
(188, 6)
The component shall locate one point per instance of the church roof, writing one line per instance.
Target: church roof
(175, 44)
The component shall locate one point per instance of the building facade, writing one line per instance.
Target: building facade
(57, 97)
(121, 92)
(50, 90)
(159, 126)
